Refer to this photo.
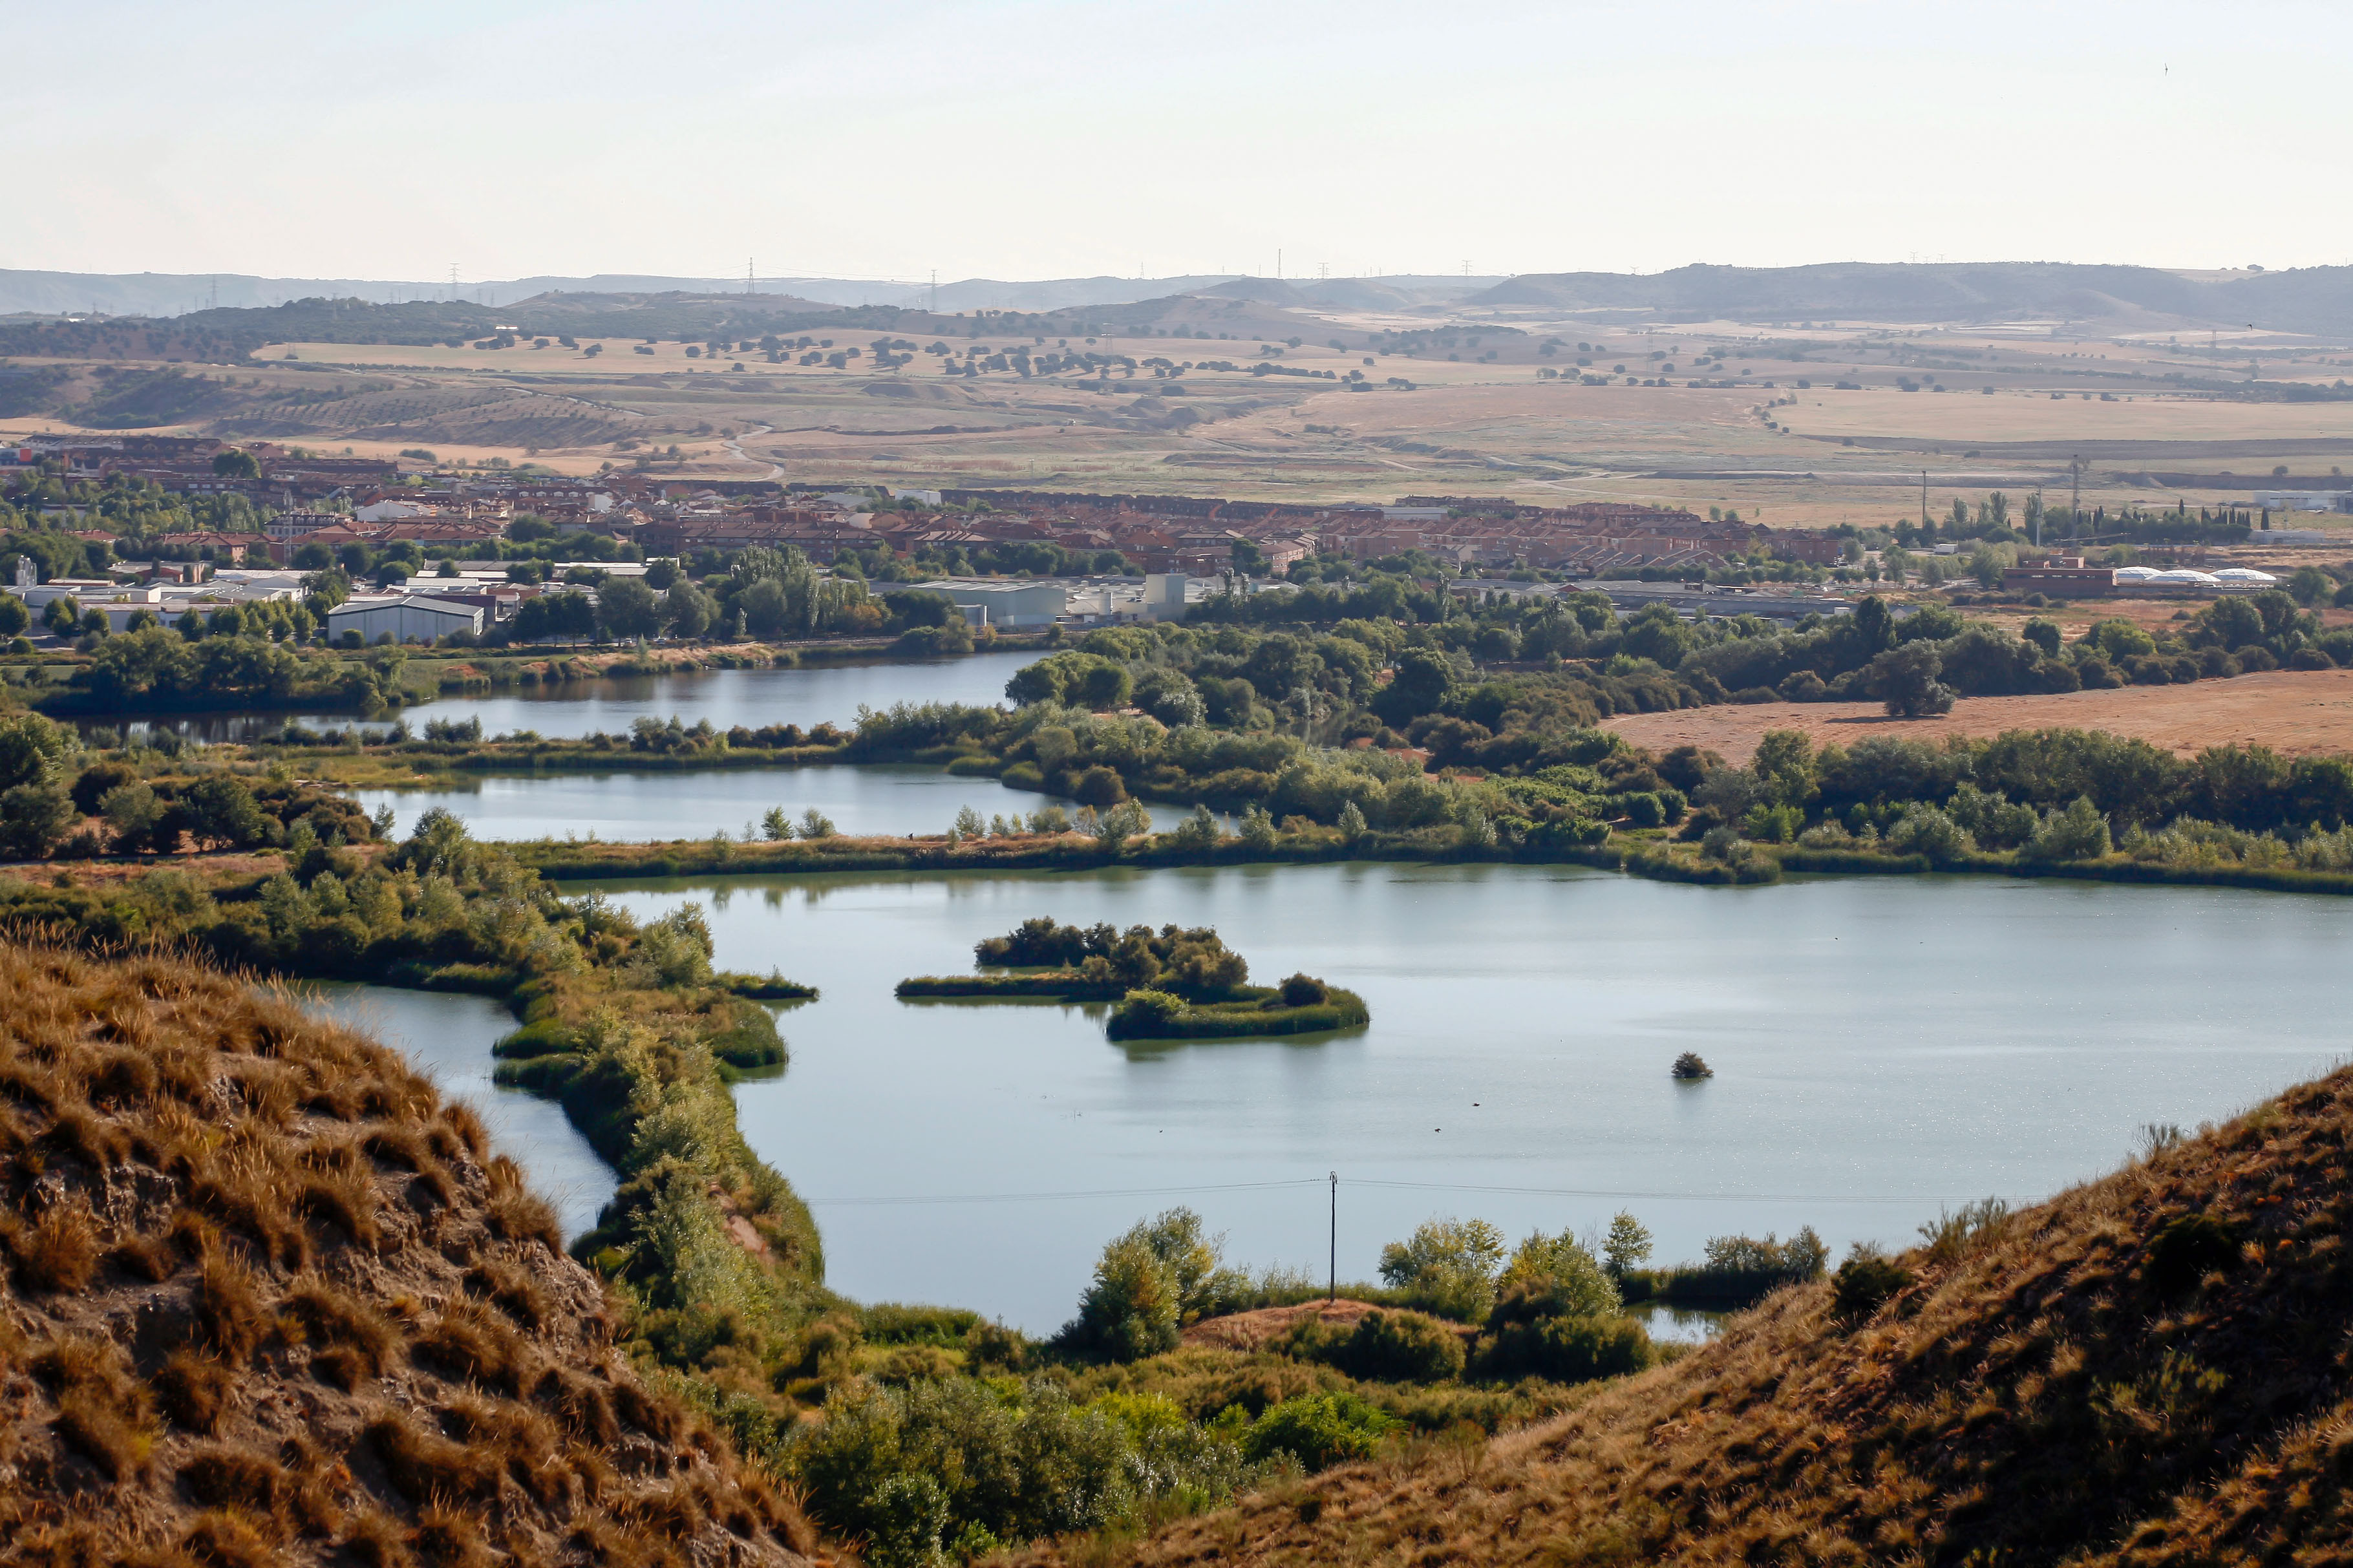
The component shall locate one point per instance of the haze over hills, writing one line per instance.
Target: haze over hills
(2308, 299)
(182, 293)
(2318, 299)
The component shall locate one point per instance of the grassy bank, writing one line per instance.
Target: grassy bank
(1648, 856)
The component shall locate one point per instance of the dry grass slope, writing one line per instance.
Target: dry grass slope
(271, 1301)
(2149, 1369)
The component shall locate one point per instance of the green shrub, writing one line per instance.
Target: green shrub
(1131, 1309)
(1399, 1347)
(1319, 1430)
(1867, 1278)
(1565, 1349)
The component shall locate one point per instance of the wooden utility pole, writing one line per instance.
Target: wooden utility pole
(1332, 1289)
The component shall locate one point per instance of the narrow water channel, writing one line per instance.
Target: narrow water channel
(448, 1039)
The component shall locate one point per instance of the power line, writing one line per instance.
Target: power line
(1044, 1197)
(1612, 1192)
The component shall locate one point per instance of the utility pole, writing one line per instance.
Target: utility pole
(1331, 1290)
(2075, 494)
(747, 274)
(935, 290)
(1278, 263)
(1923, 503)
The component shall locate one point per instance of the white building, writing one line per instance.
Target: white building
(996, 601)
(402, 616)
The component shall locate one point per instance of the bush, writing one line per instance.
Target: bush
(1567, 1350)
(1400, 1347)
(1304, 991)
(1864, 1280)
(1131, 1309)
(1447, 1267)
(1319, 1430)
(1691, 1064)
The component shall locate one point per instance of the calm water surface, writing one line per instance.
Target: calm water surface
(631, 805)
(448, 1039)
(1883, 1047)
(726, 697)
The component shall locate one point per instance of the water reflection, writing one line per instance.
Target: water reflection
(807, 697)
(1685, 1325)
(633, 806)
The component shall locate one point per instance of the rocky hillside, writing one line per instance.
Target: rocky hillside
(269, 1300)
(2150, 1369)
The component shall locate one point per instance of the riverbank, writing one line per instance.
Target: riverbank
(1639, 853)
(376, 682)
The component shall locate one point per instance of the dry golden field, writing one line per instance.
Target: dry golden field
(1481, 415)
(2299, 713)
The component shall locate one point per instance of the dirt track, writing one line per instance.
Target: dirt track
(2296, 712)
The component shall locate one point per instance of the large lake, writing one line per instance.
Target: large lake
(1883, 1047)
(818, 694)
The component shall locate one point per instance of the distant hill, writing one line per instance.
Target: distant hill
(2318, 299)
(163, 294)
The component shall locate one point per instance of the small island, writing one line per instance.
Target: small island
(1173, 983)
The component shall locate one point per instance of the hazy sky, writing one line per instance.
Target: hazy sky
(1052, 139)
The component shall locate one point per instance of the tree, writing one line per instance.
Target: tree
(1448, 1265)
(1874, 625)
(221, 811)
(1180, 1241)
(629, 608)
(34, 817)
(14, 616)
(1257, 828)
(1423, 681)
(1627, 1247)
(236, 465)
(690, 610)
(1131, 1309)
(33, 750)
(1904, 678)
(1352, 822)
(763, 606)
(61, 615)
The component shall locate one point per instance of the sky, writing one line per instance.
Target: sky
(1017, 138)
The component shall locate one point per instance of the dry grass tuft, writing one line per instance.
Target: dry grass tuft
(59, 1251)
(512, 1289)
(276, 1303)
(193, 1390)
(428, 1468)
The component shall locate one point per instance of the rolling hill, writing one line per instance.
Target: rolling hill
(271, 1301)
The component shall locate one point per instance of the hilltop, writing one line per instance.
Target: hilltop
(2147, 1369)
(271, 1299)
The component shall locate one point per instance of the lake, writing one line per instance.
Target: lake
(449, 1040)
(806, 697)
(675, 804)
(1882, 1047)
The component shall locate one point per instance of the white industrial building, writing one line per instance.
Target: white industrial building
(403, 616)
(996, 601)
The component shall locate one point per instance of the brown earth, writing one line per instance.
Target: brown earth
(2299, 713)
(268, 1298)
(1248, 1331)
